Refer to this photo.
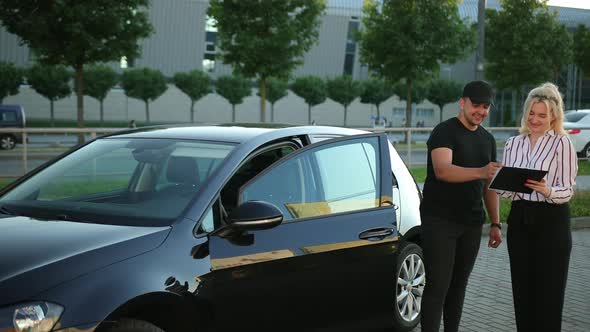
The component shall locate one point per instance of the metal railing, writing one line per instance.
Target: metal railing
(398, 136)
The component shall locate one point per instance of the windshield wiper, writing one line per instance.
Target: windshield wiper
(7, 211)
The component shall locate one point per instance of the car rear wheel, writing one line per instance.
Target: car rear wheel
(586, 152)
(410, 282)
(7, 142)
(133, 325)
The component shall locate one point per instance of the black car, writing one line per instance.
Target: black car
(11, 116)
(213, 228)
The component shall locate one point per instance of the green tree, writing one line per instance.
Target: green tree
(11, 78)
(375, 91)
(582, 54)
(312, 89)
(343, 90)
(234, 89)
(409, 39)
(524, 44)
(145, 84)
(75, 33)
(442, 92)
(276, 89)
(100, 79)
(266, 37)
(52, 82)
(195, 84)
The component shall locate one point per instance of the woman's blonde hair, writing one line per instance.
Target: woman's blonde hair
(548, 94)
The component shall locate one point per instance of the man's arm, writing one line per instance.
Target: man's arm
(493, 207)
(442, 162)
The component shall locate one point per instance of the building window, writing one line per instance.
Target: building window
(353, 27)
(209, 62)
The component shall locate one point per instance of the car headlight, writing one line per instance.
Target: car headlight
(30, 317)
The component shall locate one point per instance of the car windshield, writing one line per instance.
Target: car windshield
(574, 116)
(136, 182)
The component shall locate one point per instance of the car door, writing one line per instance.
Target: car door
(332, 256)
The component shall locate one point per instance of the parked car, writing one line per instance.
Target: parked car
(578, 125)
(11, 116)
(213, 227)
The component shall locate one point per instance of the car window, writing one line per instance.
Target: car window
(138, 182)
(328, 179)
(8, 116)
(250, 169)
(575, 116)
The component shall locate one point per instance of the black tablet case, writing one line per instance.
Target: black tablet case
(513, 179)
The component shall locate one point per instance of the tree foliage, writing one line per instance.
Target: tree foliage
(524, 44)
(75, 33)
(312, 89)
(100, 79)
(266, 37)
(234, 89)
(276, 89)
(582, 49)
(441, 92)
(52, 82)
(375, 91)
(343, 90)
(144, 84)
(417, 92)
(195, 84)
(407, 40)
(11, 77)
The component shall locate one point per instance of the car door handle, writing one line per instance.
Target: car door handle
(376, 233)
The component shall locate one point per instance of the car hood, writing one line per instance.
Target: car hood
(36, 255)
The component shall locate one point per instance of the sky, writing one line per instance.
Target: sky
(571, 3)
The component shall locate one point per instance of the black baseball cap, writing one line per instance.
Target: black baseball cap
(479, 92)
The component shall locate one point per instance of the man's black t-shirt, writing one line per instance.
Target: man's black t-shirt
(457, 202)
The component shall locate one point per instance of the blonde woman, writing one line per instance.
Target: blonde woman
(539, 236)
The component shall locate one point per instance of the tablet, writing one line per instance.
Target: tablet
(513, 179)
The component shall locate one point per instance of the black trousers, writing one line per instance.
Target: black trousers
(450, 250)
(539, 245)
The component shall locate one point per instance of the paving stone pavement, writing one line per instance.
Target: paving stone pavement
(488, 303)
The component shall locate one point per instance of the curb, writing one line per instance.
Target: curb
(576, 224)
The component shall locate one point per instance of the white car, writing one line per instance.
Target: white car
(577, 124)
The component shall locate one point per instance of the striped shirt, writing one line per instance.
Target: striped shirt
(553, 153)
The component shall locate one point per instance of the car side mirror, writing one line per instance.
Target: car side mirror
(255, 215)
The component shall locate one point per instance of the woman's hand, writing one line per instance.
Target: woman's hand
(539, 186)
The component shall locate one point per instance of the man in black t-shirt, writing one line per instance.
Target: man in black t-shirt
(461, 160)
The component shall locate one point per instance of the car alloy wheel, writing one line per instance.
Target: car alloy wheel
(587, 152)
(411, 278)
(7, 142)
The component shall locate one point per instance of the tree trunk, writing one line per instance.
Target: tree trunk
(272, 112)
(147, 111)
(308, 114)
(51, 112)
(378, 112)
(79, 68)
(408, 108)
(233, 113)
(263, 99)
(101, 112)
(192, 111)
(580, 89)
(345, 114)
(441, 112)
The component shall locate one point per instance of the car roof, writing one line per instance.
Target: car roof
(231, 133)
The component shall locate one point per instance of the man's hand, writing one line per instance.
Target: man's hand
(489, 170)
(495, 237)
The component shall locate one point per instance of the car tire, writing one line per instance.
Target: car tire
(409, 286)
(586, 152)
(133, 325)
(7, 142)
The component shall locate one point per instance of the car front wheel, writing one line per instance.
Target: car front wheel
(7, 142)
(411, 278)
